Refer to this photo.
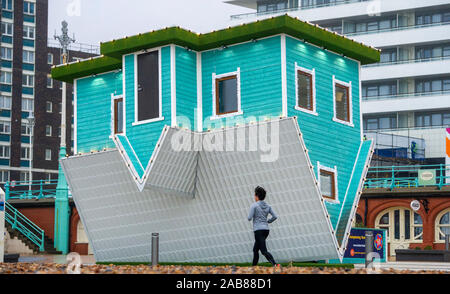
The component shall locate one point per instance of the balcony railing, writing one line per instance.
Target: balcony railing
(81, 47)
(414, 176)
(406, 95)
(400, 28)
(407, 61)
(333, 3)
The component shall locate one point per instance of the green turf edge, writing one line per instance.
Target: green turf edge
(85, 68)
(294, 264)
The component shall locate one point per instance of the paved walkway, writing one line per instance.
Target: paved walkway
(57, 259)
(413, 266)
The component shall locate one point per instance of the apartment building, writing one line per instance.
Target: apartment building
(26, 89)
(407, 94)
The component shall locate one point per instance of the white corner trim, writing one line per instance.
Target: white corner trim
(313, 74)
(147, 121)
(236, 73)
(350, 98)
(136, 122)
(75, 117)
(336, 185)
(124, 93)
(199, 93)
(284, 95)
(173, 85)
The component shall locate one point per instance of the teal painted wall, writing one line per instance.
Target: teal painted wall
(94, 111)
(186, 77)
(260, 66)
(329, 142)
(144, 137)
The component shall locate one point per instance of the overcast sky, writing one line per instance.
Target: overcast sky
(94, 21)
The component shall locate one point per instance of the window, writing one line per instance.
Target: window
(6, 77)
(380, 122)
(4, 152)
(48, 154)
(25, 153)
(388, 55)
(118, 116)
(28, 56)
(24, 176)
(6, 53)
(49, 81)
(49, 107)
(48, 178)
(227, 100)
(50, 58)
(432, 119)
(148, 106)
(306, 100)
(25, 130)
(5, 127)
(4, 176)
(28, 32)
(7, 29)
(27, 105)
(442, 226)
(328, 182)
(27, 80)
(7, 5)
(28, 8)
(48, 131)
(342, 102)
(5, 102)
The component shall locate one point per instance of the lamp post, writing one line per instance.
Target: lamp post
(31, 121)
(62, 209)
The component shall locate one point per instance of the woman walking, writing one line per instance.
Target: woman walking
(259, 212)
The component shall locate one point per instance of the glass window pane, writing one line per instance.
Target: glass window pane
(417, 219)
(417, 232)
(436, 119)
(342, 103)
(445, 219)
(384, 219)
(436, 85)
(397, 224)
(407, 225)
(326, 184)
(305, 99)
(227, 96)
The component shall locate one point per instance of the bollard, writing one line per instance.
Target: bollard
(447, 242)
(369, 248)
(155, 249)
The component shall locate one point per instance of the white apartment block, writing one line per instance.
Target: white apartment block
(408, 92)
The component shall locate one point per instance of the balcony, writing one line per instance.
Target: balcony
(407, 68)
(406, 102)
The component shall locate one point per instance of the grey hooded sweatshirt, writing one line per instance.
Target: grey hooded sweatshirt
(258, 213)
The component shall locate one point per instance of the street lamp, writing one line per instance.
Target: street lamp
(31, 122)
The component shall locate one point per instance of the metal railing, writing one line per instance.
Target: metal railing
(40, 189)
(262, 13)
(23, 225)
(406, 95)
(81, 47)
(399, 28)
(408, 61)
(390, 177)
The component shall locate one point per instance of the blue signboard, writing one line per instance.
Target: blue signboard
(356, 246)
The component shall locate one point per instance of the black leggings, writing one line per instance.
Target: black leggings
(260, 244)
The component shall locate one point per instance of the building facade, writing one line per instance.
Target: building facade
(406, 106)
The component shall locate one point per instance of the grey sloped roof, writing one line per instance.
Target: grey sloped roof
(198, 201)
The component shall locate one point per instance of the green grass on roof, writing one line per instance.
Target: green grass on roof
(199, 42)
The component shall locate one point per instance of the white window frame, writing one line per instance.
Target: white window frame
(28, 53)
(2, 176)
(28, 4)
(313, 75)
(49, 78)
(3, 98)
(7, 50)
(160, 118)
(215, 77)
(29, 80)
(8, 25)
(12, 7)
(5, 122)
(48, 127)
(27, 129)
(437, 230)
(350, 100)
(113, 101)
(26, 176)
(26, 32)
(46, 154)
(3, 152)
(7, 73)
(48, 55)
(27, 153)
(28, 100)
(336, 184)
(51, 107)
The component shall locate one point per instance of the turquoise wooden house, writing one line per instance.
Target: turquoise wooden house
(174, 129)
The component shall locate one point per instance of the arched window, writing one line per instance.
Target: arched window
(442, 225)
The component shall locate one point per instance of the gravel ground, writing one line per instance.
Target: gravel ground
(32, 268)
